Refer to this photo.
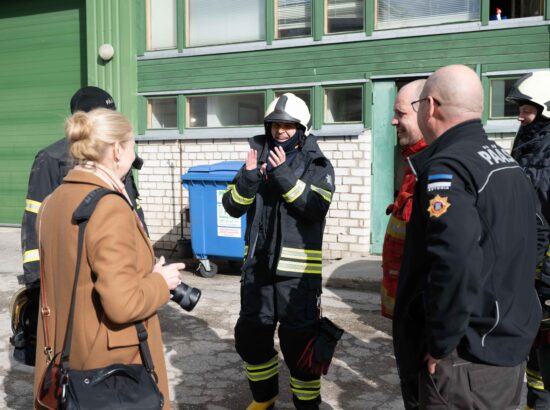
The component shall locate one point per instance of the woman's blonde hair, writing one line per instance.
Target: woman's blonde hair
(91, 133)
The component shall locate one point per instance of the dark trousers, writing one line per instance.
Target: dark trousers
(460, 384)
(293, 303)
(538, 373)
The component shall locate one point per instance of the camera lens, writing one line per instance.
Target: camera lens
(186, 296)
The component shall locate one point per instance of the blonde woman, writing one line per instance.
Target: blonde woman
(119, 282)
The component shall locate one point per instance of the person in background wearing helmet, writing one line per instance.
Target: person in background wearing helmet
(285, 188)
(531, 149)
(410, 139)
(49, 168)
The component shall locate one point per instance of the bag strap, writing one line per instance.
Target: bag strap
(44, 309)
(81, 216)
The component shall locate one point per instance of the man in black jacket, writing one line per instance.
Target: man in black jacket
(466, 311)
(49, 168)
(285, 188)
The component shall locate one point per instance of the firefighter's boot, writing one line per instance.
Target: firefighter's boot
(264, 405)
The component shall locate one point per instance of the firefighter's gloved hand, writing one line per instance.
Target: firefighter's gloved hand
(319, 351)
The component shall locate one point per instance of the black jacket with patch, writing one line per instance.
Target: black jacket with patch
(467, 277)
(48, 170)
(285, 211)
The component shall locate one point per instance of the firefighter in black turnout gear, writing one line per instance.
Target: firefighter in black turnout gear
(285, 188)
(531, 150)
(49, 168)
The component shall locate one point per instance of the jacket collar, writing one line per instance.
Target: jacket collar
(85, 177)
(466, 130)
(259, 143)
(414, 148)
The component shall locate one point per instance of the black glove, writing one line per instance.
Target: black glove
(319, 351)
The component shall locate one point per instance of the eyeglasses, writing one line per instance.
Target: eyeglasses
(416, 104)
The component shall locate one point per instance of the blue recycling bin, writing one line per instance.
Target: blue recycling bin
(213, 232)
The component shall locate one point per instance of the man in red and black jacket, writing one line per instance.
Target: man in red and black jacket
(411, 141)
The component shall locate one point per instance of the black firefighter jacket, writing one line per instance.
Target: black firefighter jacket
(48, 170)
(467, 277)
(299, 196)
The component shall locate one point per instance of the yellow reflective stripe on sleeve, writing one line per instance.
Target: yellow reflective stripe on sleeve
(32, 206)
(300, 267)
(31, 256)
(264, 371)
(295, 192)
(295, 253)
(548, 251)
(230, 187)
(326, 195)
(239, 198)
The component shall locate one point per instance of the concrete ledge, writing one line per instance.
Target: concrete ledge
(354, 273)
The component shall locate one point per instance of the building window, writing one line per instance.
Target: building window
(303, 94)
(226, 110)
(161, 24)
(162, 113)
(293, 18)
(212, 22)
(343, 105)
(344, 16)
(500, 108)
(506, 9)
(407, 13)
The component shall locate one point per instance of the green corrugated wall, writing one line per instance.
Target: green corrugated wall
(504, 49)
(42, 64)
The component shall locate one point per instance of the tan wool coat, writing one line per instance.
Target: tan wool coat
(116, 286)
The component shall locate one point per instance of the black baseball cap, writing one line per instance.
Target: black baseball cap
(88, 98)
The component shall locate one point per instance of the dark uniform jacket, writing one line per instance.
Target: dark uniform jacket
(467, 278)
(48, 170)
(297, 198)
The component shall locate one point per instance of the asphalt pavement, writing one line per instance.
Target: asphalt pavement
(204, 370)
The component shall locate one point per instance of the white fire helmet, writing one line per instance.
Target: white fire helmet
(290, 109)
(533, 88)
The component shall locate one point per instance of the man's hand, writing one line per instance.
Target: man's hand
(431, 363)
(251, 160)
(277, 157)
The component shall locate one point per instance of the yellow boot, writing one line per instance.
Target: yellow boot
(264, 405)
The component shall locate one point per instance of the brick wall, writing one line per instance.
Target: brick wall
(347, 230)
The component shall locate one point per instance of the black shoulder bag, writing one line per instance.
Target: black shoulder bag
(118, 386)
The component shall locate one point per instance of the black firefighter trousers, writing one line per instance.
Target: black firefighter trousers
(292, 302)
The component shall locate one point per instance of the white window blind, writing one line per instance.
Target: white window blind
(221, 22)
(408, 13)
(293, 18)
(344, 15)
(162, 24)
(229, 110)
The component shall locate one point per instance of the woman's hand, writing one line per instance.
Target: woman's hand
(169, 272)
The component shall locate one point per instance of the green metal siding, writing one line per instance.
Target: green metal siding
(114, 22)
(41, 67)
(503, 49)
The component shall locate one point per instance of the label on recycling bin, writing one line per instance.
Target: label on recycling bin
(227, 225)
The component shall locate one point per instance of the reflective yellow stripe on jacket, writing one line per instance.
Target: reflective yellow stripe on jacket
(295, 191)
(238, 198)
(32, 206)
(298, 261)
(326, 195)
(31, 256)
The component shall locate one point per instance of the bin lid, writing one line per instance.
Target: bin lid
(223, 171)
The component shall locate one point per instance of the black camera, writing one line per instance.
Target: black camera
(186, 296)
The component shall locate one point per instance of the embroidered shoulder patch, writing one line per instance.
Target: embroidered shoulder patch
(439, 182)
(438, 206)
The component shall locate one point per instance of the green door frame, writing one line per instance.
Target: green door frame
(383, 149)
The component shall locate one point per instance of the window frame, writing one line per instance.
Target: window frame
(188, 97)
(149, 113)
(342, 87)
(490, 100)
